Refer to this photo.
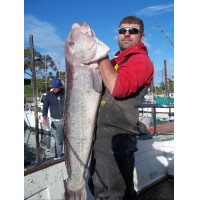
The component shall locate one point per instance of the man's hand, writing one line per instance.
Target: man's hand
(45, 122)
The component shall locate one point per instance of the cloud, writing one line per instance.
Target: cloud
(155, 10)
(157, 52)
(44, 34)
(45, 37)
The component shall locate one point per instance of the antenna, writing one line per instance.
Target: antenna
(154, 21)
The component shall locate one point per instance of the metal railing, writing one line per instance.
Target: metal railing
(153, 107)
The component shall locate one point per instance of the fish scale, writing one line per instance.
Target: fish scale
(78, 132)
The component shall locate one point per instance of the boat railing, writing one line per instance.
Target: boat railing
(153, 111)
(31, 167)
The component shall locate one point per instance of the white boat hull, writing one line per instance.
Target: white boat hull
(154, 160)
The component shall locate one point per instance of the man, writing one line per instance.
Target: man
(126, 79)
(55, 101)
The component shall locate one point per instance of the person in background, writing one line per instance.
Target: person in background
(126, 79)
(55, 101)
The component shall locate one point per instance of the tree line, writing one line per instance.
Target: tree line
(42, 63)
(45, 62)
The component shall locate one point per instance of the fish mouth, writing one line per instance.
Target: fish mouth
(71, 44)
(86, 52)
(92, 46)
(90, 32)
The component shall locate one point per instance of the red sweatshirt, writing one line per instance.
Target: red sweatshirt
(135, 73)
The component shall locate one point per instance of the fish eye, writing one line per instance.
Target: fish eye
(71, 44)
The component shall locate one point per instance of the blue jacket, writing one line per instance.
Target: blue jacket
(56, 106)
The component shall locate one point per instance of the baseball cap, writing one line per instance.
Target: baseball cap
(56, 82)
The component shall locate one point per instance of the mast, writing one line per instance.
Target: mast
(163, 32)
(34, 95)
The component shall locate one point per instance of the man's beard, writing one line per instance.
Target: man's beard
(125, 45)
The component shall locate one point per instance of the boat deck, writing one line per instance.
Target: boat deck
(154, 158)
(163, 190)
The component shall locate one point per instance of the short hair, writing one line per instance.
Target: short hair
(133, 20)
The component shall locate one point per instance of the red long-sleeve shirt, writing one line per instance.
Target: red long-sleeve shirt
(135, 73)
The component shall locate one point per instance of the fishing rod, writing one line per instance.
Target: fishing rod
(154, 21)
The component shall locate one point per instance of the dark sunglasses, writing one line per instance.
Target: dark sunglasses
(131, 31)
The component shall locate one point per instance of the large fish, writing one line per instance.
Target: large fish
(83, 93)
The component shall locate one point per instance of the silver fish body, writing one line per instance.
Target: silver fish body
(83, 95)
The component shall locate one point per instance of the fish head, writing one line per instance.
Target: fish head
(80, 46)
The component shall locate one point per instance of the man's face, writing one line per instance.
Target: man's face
(126, 39)
(56, 89)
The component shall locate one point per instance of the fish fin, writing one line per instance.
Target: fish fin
(97, 79)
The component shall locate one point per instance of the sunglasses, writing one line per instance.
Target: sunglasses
(131, 31)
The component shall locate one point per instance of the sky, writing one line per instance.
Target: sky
(50, 21)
